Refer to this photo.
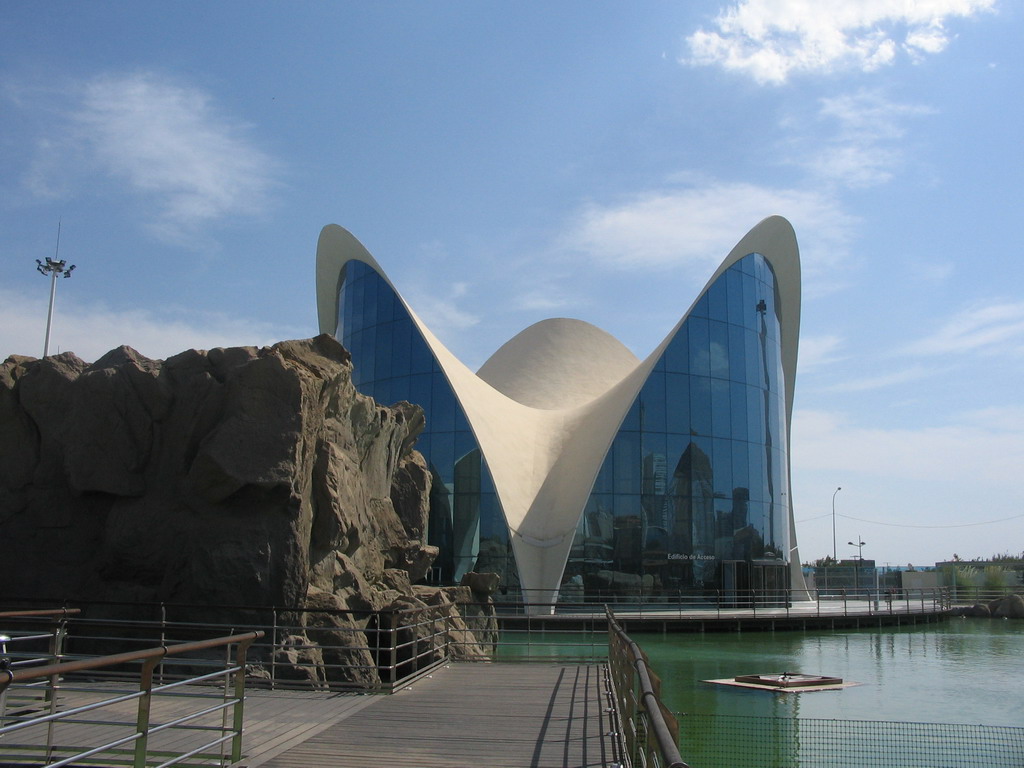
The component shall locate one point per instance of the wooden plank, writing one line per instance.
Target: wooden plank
(272, 720)
(500, 715)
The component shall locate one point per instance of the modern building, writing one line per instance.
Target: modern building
(570, 467)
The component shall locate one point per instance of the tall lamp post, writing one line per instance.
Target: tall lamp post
(835, 557)
(52, 268)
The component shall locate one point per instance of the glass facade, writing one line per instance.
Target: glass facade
(692, 493)
(391, 362)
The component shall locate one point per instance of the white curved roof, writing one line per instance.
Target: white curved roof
(546, 406)
(558, 363)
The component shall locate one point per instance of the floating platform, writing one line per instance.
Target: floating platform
(786, 682)
(789, 680)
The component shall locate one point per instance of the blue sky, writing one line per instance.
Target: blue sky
(508, 162)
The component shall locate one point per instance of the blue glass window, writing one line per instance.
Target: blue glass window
(698, 464)
(391, 362)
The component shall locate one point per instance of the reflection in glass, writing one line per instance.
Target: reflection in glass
(392, 362)
(691, 492)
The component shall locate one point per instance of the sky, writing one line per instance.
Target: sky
(510, 162)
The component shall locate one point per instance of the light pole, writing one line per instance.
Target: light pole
(52, 268)
(859, 544)
(835, 557)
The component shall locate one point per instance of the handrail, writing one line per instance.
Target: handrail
(66, 667)
(40, 613)
(665, 743)
(150, 658)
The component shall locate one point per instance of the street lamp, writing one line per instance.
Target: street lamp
(835, 557)
(859, 544)
(52, 268)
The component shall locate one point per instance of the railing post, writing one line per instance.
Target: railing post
(236, 741)
(273, 651)
(50, 697)
(145, 703)
(51, 694)
(227, 700)
(393, 635)
(417, 625)
(163, 636)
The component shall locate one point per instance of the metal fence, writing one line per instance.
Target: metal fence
(380, 651)
(53, 713)
(967, 595)
(649, 732)
(717, 603)
(734, 741)
(369, 651)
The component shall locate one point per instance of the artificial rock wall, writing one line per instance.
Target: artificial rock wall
(235, 476)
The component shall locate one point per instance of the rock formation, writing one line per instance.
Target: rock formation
(1009, 606)
(243, 476)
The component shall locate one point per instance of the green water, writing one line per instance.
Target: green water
(958, 671)
(961, 671)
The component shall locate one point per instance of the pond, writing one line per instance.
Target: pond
(962, 671)
(957, 671)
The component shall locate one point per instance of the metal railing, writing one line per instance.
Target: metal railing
(338, 650)
(30, 638)
(649, 731)
(715, 740)
(719, 603)
(107, 707)
(967, 595)
(381, 651)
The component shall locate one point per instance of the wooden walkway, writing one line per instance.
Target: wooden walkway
(469, 715)
(507, 715)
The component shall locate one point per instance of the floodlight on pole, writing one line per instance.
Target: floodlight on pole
(835, 557)
(52, 268)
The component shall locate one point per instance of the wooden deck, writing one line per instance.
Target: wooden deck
(468, 715)
(506, 715)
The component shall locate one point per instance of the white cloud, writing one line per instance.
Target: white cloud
(544, 298)
(818, 352)
(439, 312)
(697, 226)
(1009, 419)
(979, 449)
(865, 148)
(996, 327)
(769, 40)
(169, 141)
(883, 380)
(93, 330)
(166, 141)
(932, 39)
(902, 487)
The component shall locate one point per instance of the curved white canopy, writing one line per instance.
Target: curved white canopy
(546, 406)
